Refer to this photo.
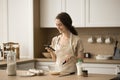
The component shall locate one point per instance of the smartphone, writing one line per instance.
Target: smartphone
(49, 47)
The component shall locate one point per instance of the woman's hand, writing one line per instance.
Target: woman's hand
(68, 58)
(51, 51)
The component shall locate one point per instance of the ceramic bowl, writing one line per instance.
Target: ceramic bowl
(54, 70)
(46, 54)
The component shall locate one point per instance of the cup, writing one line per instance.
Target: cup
(85, 73)
(100, 40)
(108, 40)
(87, 55)
(91, 40)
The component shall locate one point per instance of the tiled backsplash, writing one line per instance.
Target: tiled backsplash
(85, 33)
(99, 48)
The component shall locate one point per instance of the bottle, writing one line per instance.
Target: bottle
(11, 63)
(79, 67)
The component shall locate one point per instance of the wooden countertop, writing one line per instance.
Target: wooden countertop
(102, 61)
(92, 60)
(20, 61)
(4, 76)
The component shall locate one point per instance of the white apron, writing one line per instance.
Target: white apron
(61, 53)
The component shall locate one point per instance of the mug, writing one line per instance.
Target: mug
(87, 55)
(108, 40)
(91, 40)
(85, 73)
(100, 40)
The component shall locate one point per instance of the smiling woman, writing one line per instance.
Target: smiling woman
(68, 45)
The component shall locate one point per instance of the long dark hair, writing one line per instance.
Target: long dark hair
(67, 21)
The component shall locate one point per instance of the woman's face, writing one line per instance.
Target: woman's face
(60, 26)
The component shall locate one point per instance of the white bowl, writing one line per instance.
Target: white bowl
(53, 69)
(103, 57)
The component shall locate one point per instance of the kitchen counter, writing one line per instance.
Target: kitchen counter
(47, 76)
(3, 62)
(19, 61)
(110, 61)
(92, 60)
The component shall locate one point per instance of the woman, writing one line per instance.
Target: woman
(68, 46)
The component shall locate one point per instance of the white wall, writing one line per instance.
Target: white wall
(19, 25)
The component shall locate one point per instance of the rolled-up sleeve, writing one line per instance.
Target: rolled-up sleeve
(53, 42)
(77, 46)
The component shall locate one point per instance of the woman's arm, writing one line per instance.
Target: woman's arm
(52, 52)
(79, 50)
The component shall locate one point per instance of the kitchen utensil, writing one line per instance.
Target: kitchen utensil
(64, 62)
(66, 74)
(116, 43)
(117, 54)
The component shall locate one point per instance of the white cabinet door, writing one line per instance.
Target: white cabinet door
(100, 68)
(3, 21)
(20, 25)
(48, 11)
(103, 13)
(76, 9)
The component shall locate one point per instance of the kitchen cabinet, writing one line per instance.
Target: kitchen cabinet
(76, 9)
(44, 65)
(94, 68)
(102, 13)
(85, 13)
(101, 68)
(21, 66)
(16, 24)
(26, 66)
(50, 9)
(20, 25)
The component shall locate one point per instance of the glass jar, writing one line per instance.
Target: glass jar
(11, 63)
